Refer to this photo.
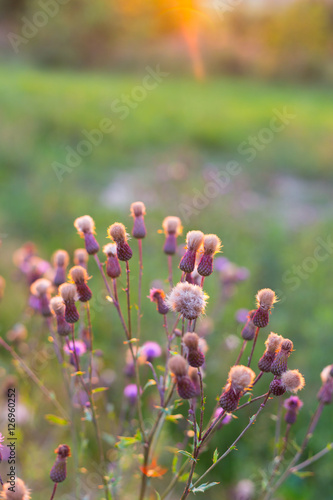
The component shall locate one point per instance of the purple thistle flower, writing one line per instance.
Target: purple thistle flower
(131, 393)
(80, 347)
(151, 350)
(241, 315)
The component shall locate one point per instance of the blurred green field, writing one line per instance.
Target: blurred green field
(269, 217)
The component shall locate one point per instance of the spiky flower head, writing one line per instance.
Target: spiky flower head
(131, 393)
(178, 366)
(84, 224)
(211, 244)
(191, 340)
(195, 356)
(151, 350)
(188, 300)
(273, 342)
(293, 380)
(60, 258)
(58, 472)
(57, 305)
(138, 209)
(40, 287)
(68, 292)
(292, 405)
(110, 249)
(325, 394)
(172, 225)
(78, 274)
(280, 362)
(117, 232)
(194, 240)
(21, 491)
(249, 329)
(326, 373)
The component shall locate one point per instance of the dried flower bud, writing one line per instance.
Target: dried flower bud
(249, 329)
(18, 492)
(60, 258)
(79, 276)
(188, 300)
(194, 376)
(85, 226)
(195, 356)
(81, 257)
(265, 300)
(117, 232)
(293, 380)
(186, 388)
(280, 363)
(211, 245)
(325, 394)
(58, 472)
(113, 269)
(178, 366)
(273, 342)
(138, 210)
(69, 294)
(58, 307)
(240, 378)
(172, 227)
(157, 295)
(194, 240)
(276, 387)
(292, 405)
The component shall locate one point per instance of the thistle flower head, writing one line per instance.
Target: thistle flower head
(138, 208)
(286, 345)
(68, 292)
(194, 240)
(21, 491)
(266, 298)
(78, 274)
(211, 244)
(85, 224)
(57, 305)
(131, 392)
(293, 403)
(327, 373)
(191, 340)
(293, 380)
(151, 350)
(80, 347)
(188, 300)
(40, 287)
(60, 258)
(117, 232)
(81, 257)
(172, 225)
(241, 377)
(156, 294)
(178, 366)
(273, 342)
(63, 451)
(110, 249)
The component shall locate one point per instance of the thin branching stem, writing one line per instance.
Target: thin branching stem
(139, 288)
(253, 346)
(239, 357)
(170, 277)
(313, 459)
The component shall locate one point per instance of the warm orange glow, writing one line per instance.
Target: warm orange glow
(153, 470)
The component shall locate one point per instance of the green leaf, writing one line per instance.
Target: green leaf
(187, 454)
(203, 487)
(53, 419)
(99, 389)
(126, 441)
(158, 496)
(149, 384)
(302, 474)
(174, 464)
(215, 456)
(174, 418)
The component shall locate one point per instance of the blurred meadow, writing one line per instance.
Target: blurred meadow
(233, 134)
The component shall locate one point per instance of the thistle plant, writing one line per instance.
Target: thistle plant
(162, 378)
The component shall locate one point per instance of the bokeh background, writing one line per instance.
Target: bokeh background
(220, 71)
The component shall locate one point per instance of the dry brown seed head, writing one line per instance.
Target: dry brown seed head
(78, 274)
(191, 340)
(80, 255)
(266, 298)
(110, 249)
(85, 224)
(21, 491)
(326, 373)
(273, 342)
(172, 225)
(287, 345)
(194, 240)
(241, 377)
(293, 380)
(138, 208)
(57, 305)
(68, 291)
(60, 258)
(178, 365)
(188, 300)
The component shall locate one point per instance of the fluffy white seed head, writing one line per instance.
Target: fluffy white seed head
(68, 291)
(178, 365)
(60, 258)
(172, 224)
(138, 208)
(266, 298)
(80, 256)
(194, 240)
(85, 224)
(117, 232)
(293, 380)
(110, 249)
(273, 342)
(212, 244)
(326, 373)
(241, 377)
(57, 305)
(40, 287)
(188, 300)
(78, 274)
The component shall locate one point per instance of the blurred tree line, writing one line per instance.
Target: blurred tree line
(294, 41)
